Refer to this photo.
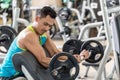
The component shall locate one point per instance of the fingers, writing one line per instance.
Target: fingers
(77, 57)
(85, 54)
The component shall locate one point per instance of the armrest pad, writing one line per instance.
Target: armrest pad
(37, 71)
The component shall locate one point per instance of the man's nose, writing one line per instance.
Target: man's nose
(47, 27)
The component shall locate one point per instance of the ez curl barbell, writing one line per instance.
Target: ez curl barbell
(68, 69)
(94, 47)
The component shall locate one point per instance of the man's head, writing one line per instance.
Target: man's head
(47, 11)
(45, 19)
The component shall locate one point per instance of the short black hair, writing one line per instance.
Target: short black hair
(46, 10)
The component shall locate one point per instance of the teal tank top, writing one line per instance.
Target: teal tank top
(7, 68)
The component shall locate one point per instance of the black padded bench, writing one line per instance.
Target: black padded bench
(31, 68)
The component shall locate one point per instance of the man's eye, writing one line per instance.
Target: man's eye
(46, 24)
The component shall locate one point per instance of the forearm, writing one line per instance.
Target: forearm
(55, 51)
(52, 49)
(45, 62)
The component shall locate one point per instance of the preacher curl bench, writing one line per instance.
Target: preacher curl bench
(26, 62)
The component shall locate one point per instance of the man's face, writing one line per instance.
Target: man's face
(44, 24)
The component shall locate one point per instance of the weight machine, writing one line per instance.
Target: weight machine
(103, 29)
(7, 32)
(106, 11)
(5, 11)
(115, 40)
(17, 11)
(21, 19)
(7, 35)
(80, 13)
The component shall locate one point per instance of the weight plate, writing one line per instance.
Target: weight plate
(7, 35)
(96, 50)
(62, 69)
(72, 46)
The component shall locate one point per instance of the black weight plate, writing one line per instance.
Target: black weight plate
(112, 3)
(11, 34)
(65, 14)
(72, 46)
(60, 70)
(67, 30)
(96, 50)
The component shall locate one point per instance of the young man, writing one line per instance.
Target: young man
(32, 38)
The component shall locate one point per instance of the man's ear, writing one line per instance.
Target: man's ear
(37, 18)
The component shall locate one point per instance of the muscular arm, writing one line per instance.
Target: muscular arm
(31, 42)
(50, 46)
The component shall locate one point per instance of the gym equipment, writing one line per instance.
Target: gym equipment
(33, 70)
(62, 69)
(65, 14)
(72, 46)
(7, 34)
(21, 14)
(112, 3)
(109, 29)
(4, 4)
(5, 7)
(22, 17)
(1, 10)
(116, 45)
(94, 65)
(66, 31)
(94, 47)
(53, 31)
(24, 6)
(80, 18)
